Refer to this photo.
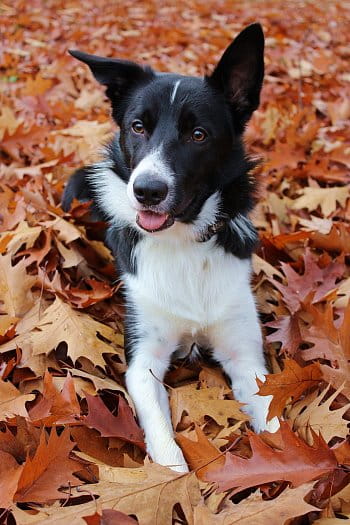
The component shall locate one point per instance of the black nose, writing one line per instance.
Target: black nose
(149, 191)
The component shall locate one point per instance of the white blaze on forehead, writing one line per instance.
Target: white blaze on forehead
(173, 93)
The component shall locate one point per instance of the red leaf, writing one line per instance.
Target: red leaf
(122, 426)
(295, 462)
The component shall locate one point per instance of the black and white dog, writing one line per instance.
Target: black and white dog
(175, 190)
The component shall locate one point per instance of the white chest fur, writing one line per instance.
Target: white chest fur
(195, 283)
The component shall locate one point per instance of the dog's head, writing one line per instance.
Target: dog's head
(181, 136)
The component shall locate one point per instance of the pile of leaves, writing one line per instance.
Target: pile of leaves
(71, 450)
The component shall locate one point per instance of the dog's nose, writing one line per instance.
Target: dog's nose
(149, 191)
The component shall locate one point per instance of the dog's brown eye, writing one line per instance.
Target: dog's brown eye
(137, 126)
(198, 135)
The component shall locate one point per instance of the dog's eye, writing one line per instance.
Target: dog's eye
(137, 127)
(199, 135)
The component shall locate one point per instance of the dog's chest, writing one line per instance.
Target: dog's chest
(195, 283)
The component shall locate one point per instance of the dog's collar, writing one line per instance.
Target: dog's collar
(212, 230)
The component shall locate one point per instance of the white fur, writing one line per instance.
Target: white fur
(173, 93)
(111, 195)
(195, 292)
(243, 227)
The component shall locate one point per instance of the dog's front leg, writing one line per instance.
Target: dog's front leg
(238, 347)
(150, 357)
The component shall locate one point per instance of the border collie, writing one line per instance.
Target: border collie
(175, 189)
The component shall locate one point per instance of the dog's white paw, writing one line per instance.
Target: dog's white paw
(170, 456)
(273, 425)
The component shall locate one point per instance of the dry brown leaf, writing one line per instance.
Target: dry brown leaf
(149, 493)
(326, 198)
(204, 402)
(293, 461)
(314, 414)
(49, 469)
(200, 453)
(255, 510)
(290, 383)
(23, 235)
(10, 472)
(56, 407)
(15, 287)
(61, 323)
(12, 402)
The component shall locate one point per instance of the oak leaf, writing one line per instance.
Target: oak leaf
(315, 415)
(290, 383)
(12, 402)
(110, 517)
(201, 455)
(326, 198)
(294, 461)
(23, 235)
(122, 426)
(15, 287)
(316, 280)
(204, 402)
(255, 510)
(331, 343)
(10, 472)
(287, 332)
(61, 323)
(49, 469)
(56, 407)
(150, 493)
(92, 444)
(23, 443)
(23, 140)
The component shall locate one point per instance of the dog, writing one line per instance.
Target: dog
(175, 189)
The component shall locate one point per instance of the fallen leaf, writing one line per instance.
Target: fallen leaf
(201, 455)
(315, 416)
(15, 287)
(12, 402)
(254, 509)
(61, 323)
(291, 383)
(50, 469)
(149, 493)
(10, 472)
(122, 426)
(206, 401)
(326, 198)
(294, 461)
(56, 407)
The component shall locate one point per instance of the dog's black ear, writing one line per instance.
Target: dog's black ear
(120, 76)
(240, 72)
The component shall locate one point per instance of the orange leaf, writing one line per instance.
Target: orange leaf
(50, 469)
(56, 407)
(290, 383)
(10, 472)
(200, 452)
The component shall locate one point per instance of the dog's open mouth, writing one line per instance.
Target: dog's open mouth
(154, 222)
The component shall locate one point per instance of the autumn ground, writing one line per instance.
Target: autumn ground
(70, 449)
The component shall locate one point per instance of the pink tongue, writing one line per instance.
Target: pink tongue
(151, 221)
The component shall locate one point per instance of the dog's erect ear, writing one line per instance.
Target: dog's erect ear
(240, 72)
(120, 76)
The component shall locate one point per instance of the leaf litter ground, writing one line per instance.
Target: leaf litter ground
(61, 308)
